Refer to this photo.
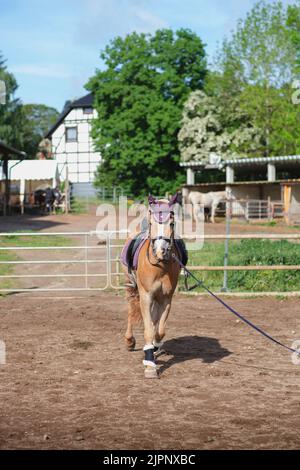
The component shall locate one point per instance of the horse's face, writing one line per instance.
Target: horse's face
(161, 227)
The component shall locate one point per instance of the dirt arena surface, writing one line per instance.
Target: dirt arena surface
(89, 221)
(69, 383)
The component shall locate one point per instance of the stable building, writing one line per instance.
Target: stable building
(272, 180)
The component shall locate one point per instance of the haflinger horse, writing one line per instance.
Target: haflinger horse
(155, 278)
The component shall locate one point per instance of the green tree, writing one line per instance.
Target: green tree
(37, 119)
(11, 111)
(254, 72)
(293, 24)
(139, 98)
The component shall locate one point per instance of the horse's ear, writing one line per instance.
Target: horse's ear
(151, 199)
(174, 199)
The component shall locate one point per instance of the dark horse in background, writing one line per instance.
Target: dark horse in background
(44, 199)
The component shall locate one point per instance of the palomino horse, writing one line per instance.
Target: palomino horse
(155, 280)
(209, 200)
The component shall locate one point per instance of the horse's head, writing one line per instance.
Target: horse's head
(161, 226)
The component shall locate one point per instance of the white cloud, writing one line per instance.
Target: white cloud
(102, 20)
(51, 71)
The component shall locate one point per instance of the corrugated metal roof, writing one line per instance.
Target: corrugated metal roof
(243, 161)
(244, 183)
(262, 161)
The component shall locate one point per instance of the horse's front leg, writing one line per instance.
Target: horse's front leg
(160, 330)
(213, 211)
(195, 211)
(146, 303)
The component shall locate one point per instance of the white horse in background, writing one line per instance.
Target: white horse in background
(209, 201)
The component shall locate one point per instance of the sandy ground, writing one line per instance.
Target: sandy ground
(70, 383)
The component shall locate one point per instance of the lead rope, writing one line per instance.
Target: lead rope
(232, 310)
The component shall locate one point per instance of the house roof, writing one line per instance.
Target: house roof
(83, 102)
(8, 150)
(31, 170)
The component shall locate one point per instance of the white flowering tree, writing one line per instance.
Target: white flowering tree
(208, 129)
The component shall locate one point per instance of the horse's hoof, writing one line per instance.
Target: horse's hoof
(151, 373)
(130, 344)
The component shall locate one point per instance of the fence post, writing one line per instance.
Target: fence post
(109, 259)
(259, 209)
(67, 202)
(86, 259)
(118, 270)
(247, 211)
(269, 209)
(226, 245)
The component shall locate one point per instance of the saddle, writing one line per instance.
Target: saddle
(131, 250)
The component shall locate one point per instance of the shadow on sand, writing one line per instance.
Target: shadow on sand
(187, 348)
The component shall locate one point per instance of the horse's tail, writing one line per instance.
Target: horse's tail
(133, 298)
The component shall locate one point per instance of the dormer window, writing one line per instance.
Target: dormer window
(88, 110)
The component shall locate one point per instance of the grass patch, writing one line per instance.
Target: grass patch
(35, 241)
(246, 253)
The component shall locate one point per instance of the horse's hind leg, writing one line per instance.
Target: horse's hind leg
(134, 316)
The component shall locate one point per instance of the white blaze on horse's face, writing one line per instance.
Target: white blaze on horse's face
(161, 248)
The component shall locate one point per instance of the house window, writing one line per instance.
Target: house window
(88, 110)
(71, 134)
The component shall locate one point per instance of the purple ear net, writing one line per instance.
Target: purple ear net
(151, 199)
(173, 200)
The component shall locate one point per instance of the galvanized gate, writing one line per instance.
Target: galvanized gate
(59, 261)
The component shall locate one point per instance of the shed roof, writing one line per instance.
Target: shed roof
(31, 170)
(243, 162)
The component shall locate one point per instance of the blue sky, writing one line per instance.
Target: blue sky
(53, 47)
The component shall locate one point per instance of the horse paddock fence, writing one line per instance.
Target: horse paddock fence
(90, 261)
(253, 209)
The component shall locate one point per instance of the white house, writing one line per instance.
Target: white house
(72, 143)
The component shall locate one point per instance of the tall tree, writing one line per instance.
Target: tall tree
(139, 98)
(11, 110)
(254, 73)
(37, 119)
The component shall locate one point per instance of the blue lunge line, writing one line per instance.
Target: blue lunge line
(200, 283)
